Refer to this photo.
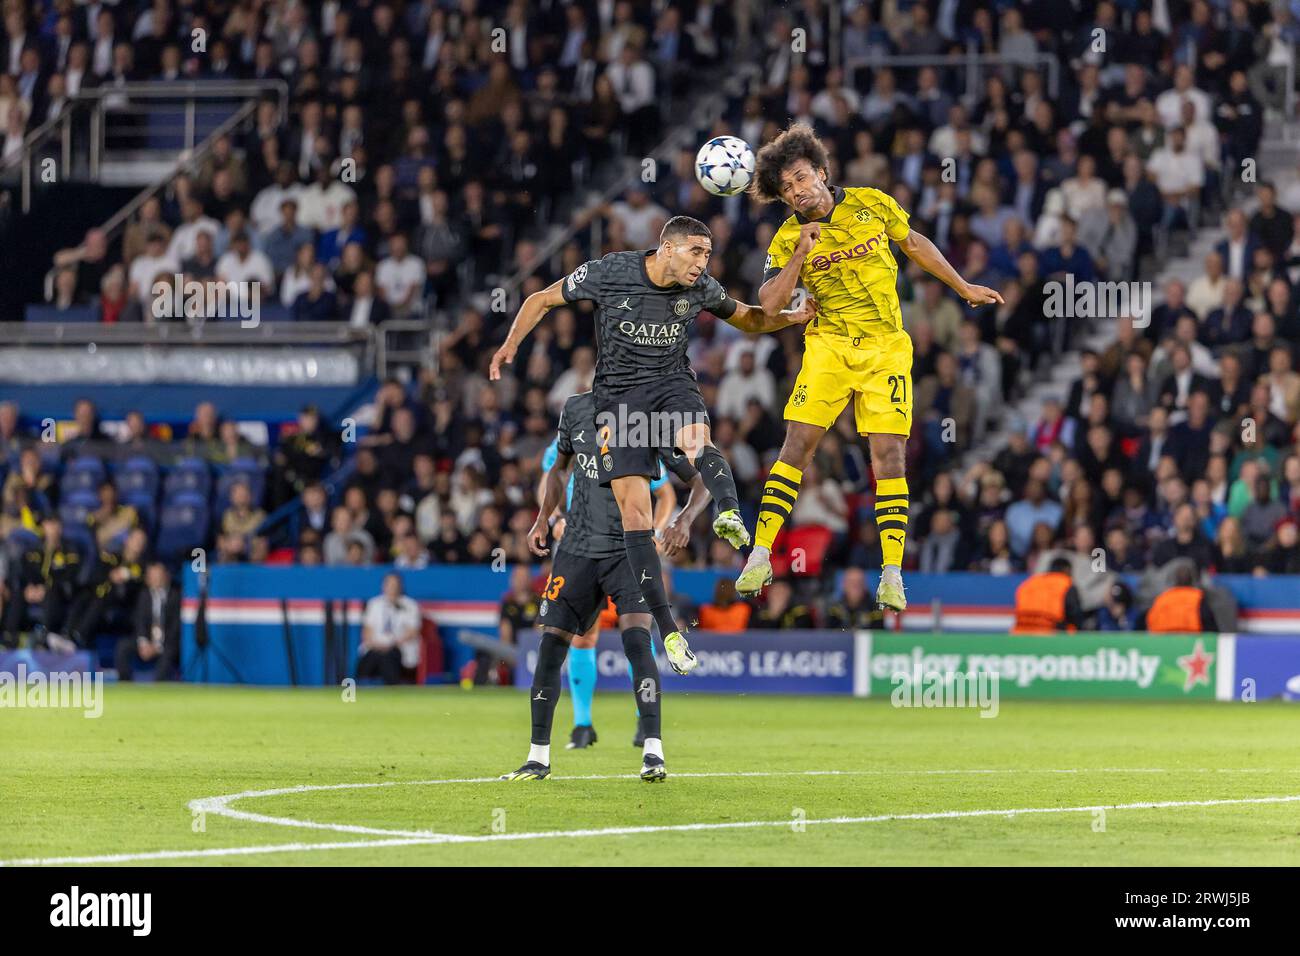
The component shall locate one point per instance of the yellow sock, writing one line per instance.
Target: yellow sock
(778, 500)
(891, 518)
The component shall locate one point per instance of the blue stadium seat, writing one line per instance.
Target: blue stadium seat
(182, 527)
(137, 476)
(51, 313)
(82, 498)
(188, 475)
(78, 534)
(82, 474)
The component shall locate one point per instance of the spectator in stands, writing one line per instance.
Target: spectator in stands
(110, 596)
(782, 611)
(1033, 509)
(153, 264)
(112, 519)
(855, 607)
(157, 628)
(44, 584)
(410, 554)
(239, 524)
(390, 634)
(1187, 541)
(304, 456)
(283, 241)
(1117, 613)
(1261, 516)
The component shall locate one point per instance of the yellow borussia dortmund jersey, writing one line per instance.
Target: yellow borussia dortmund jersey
(851, 271)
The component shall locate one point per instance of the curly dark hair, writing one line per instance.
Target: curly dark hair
(796, 143)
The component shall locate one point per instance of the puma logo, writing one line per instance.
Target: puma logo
(764, 519)
(901, 412)
(895, 537)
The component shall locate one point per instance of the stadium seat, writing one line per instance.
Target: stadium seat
(190, 475)
(813, 540)
(145, 507)
(182, 526)
(137, 476)
(85, 500)
(82, 474)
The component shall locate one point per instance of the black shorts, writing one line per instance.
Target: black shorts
(643, 423)
(575, 594)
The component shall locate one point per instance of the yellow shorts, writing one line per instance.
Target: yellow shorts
(876, 373)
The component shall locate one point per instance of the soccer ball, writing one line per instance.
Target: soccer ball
(724, 165)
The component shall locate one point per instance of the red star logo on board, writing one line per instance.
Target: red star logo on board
(1197, 666)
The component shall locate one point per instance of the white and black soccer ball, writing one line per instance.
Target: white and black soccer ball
(724, 165)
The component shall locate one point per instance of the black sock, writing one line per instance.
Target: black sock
(715, 471)
(645, 678)
(644, 560)
(546, 685)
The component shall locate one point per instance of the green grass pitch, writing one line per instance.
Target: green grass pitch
(123, 783)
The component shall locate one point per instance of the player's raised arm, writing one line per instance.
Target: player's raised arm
(530, 313)
(778, 289)
(927, 255)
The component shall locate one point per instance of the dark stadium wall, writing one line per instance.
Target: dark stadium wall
(59, 218)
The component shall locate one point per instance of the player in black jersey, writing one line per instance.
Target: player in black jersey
(647, 399)
(590, 563)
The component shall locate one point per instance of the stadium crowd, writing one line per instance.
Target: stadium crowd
(1178, 440)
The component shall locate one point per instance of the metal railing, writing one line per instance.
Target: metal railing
(404, 343)
(88, 113)
(184, 334)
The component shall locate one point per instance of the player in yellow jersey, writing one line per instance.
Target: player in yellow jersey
(837, 245)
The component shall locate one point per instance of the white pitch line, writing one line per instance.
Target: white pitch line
(220, 805)
(213, 804)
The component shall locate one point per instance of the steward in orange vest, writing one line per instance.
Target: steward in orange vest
(1182, 609)
(1048, 602)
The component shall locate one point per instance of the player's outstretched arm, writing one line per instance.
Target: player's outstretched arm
(677, 533)
(927, 255)
(551, 494)
(530, 313)
(753, 318)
